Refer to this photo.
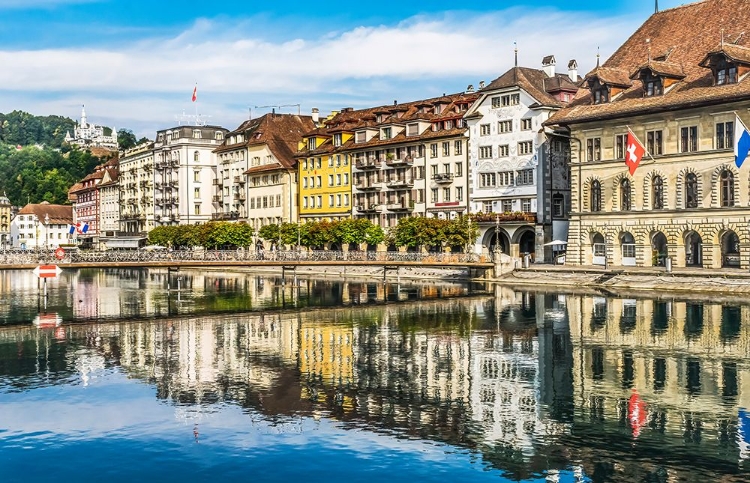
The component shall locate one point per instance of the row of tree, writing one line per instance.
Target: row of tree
(412, 232)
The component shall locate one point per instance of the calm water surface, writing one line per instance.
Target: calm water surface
(242, 378)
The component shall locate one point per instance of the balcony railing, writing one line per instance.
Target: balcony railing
(400, 183)
(514, 216)
(218, 182)
(400, 206)
(232, 215)
(368, 208)
(368, 186)
(443, 178)
(403, 160)
(367, 163)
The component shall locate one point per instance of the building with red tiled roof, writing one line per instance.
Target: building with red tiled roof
(41, 225)
(680, 83)
(255, 178)
(513, 183)
(85, 198)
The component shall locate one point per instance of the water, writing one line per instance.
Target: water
(369, 382)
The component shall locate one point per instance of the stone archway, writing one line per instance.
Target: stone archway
(527, 243)
(730, 250)
(693, 249)
(599, 249)
(659, 249)
(496, 239)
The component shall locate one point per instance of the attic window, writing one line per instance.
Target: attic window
(337, 139)
(652, 86)
(311, 144)
(601, 94)
(727, 74)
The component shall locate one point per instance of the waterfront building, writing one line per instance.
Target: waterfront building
(408, 159)
(679, 83)
(5, 217)
(136, 192)
(256, 178)
(324, 171)
(510, 171)
(184, 172)
(88, 135)
(86, 205)
(109, 207)
(41, 226)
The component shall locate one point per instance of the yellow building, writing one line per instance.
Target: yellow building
(5, 215)
(324, 174)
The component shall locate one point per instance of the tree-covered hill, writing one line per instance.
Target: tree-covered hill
(22, 128)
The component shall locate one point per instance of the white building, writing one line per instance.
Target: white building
(506, 143)
(184, 173)
(91, 135)
(42, 226)
(136, 190)
(109, 206)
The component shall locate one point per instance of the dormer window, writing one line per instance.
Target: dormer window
(601, 94)
(652, 86)
(337, 139)
(386, 133)
(726, 75)
(311, 143)
(729, 63)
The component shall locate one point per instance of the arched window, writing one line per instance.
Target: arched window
(657, 193)
(596, 196)
(691, 191)
(196, 156)
(625, 194)
(727, 188)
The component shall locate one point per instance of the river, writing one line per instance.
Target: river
(241, 377)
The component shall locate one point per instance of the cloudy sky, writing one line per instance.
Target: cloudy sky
(134, 63)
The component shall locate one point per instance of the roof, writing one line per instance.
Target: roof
(280, 132)
(688, 33)
(58, 214)
(534, 82)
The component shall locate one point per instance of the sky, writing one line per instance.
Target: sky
(134, 64)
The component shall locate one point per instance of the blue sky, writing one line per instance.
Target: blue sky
(134, 63)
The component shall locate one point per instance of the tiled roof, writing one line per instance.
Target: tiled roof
(265, 168)
(58, 214)
(661, 68)
(535, 82)
(610, 75)
(280, 132)
(688, 33)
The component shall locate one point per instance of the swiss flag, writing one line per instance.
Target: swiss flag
(195, 93)
(633, 152)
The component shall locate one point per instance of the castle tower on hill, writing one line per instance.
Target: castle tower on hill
(90, 135)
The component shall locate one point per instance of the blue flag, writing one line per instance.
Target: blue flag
(741, 142)
(71, 230)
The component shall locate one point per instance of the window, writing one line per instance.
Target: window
(337, 139)
(197, 192)
(459, 193)
(265, 202)
(196, 156)
(503, 151)
(434, 170)
(594, 149)
(525, 147)
(484, 129)
(387, 133)
(346, 179)
(657, 193)
(458, 147)
(338, 180)
(505, 178)
(505, 126)
(319, 162)
(196, 176)
(487, 207)
(274, 179)
(558, 206)
(446, 148)
(304, 202)
(434, 195)
(496, 102)
(320, 181)
(485, 152)
(320, 201)
(304, 182)
(526, 205)
(330, 180)
(526, 124)
(360, 137)
(654, 143)
(652, 86)
(330, 201)
(621, 142)
(689, 139)
(446, 194)
(338, 200)
(601, 94)
(346, 199)
(625, 194)
(412, 130)
(433, 150)
(487, 180)
(596, 196)
(197, 208)
(459, 170)
(727, 188)
(311, 144)
(691, 191)
(197, 133)
(725, 135)
(510, 100)
(525, 177)
(726, 75)
(330, 161)
(507, 206)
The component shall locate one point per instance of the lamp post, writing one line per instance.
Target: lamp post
(46, 231)
(497, 235)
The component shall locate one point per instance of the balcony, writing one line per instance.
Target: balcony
(443, 178)
(514, 216)
(369, 186)
(232, 215)
(370, 162)
(371, 208)
(157, 217)
(400, 183)
(404, 160)
(239, 180)
(219, 183)
(218, 199)
(239, 196)
(401, 206)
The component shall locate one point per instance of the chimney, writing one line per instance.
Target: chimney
(470, 89)
(395, 102)
(481, 84)
(315, 115)
(573, 70)
(548, 65)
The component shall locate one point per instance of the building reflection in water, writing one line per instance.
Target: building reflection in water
(610, 389)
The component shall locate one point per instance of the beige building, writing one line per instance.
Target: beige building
(5, 216)
(678, 83)
(137, 190)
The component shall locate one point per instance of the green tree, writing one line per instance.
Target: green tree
(461, 232)
(126, 139)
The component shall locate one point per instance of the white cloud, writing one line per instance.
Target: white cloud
(147, 82)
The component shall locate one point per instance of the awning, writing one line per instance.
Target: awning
(124, 242)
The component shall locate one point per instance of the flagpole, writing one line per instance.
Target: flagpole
(645, 148)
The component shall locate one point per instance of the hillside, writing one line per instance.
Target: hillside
(22, 128)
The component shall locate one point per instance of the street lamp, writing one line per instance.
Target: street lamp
(46, 231)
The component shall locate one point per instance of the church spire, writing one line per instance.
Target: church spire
(83, 116)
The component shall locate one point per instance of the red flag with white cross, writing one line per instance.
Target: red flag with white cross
(634, 151)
